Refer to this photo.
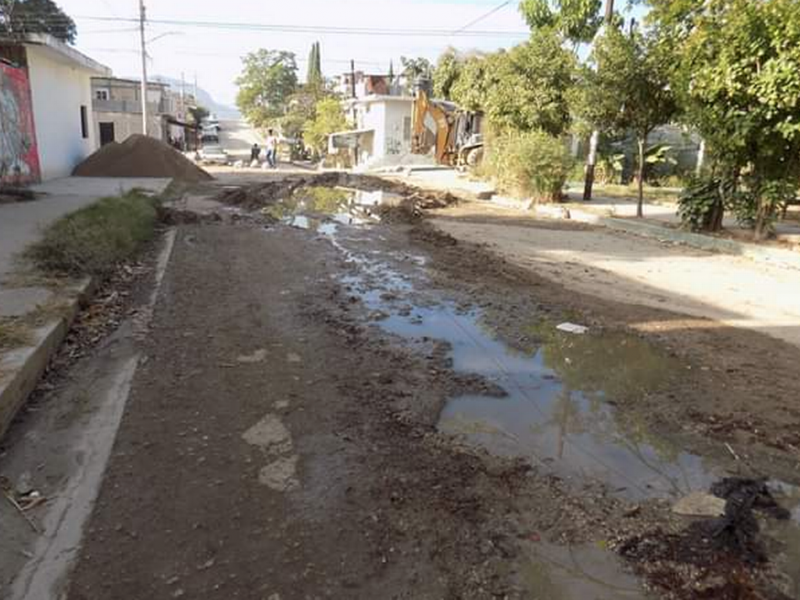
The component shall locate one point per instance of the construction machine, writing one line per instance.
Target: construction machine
(453, 134)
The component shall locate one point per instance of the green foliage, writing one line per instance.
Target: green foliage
(92, 240)
(527, 88)
(268, 79)
(416, 68)
(477, 75)
(576, 20)
(737, 72)
(314, 76)
(762, 204)
(701, 205)
(447, 73)
(329, 118)
(534, 163)
(20, 17)
(629, 87)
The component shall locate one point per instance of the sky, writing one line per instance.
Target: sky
(214, 54)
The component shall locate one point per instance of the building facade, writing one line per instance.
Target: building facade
(46, 108)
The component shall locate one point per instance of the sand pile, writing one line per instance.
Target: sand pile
(140, 156)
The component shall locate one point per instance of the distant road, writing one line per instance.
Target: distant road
(237, 137)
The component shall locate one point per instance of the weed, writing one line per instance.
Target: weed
(13, 334)
(92, 240)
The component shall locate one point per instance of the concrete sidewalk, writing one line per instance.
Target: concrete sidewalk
(660, 220)
(20, 225)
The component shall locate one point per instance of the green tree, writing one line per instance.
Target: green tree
(628, 90)
(314, 76)
(416, 68)
(268, 79)
(478, 74)
(737, 75)
(391, 71)
(328, 118)
(21, 17)
(527, 87)
(446, 74)
(576, 20)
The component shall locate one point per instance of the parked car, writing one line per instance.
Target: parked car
(213, 154)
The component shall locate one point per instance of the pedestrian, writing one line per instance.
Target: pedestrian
(255, 153)
(272, 149)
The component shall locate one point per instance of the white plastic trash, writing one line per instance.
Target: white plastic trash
(573, 328)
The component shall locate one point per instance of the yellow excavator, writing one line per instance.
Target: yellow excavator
(453, 134)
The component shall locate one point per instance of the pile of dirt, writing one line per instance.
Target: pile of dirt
(140, 156)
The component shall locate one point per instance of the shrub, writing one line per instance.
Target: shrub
(92, 240)
(533, 164)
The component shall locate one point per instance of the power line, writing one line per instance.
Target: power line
(334, 30)
(482, 18)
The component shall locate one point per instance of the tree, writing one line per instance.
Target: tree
(737, 75)
(527, 87)
(329, 118)
(447, 71)
(416, 68)
(478, 74)
(198, 113)
(575, 20)
(314, 76)
(268, 79)
(391, 71)
(628, 90)
(21, 17)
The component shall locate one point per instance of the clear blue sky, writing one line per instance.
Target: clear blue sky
(214, 55)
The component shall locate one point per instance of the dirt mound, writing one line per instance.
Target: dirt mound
(140, 156)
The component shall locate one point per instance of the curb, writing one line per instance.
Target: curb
(24, 366)
(760, 254)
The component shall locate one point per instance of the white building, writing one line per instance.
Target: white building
(53, 85)
(382, 131)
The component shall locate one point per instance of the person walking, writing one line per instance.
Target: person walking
(255, 153)
(272, 149)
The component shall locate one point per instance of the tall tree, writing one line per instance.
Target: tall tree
(391, 71)
(446, 73)
(314, 76)
(737, 75)
(576, 20)
(628, 90)
(528, 86)
(416, 68)
(268, 79)
(21, 17)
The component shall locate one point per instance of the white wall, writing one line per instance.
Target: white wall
(126, 124)
(58, 90)
(395, 141)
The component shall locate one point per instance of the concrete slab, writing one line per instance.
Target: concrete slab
(18, 302)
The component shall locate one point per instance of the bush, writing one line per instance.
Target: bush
(533, 164)
(91, 241)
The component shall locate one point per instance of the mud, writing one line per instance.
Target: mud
(343, 404)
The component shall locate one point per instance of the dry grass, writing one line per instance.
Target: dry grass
(93, 240)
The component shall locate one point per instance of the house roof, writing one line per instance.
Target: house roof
(134, 82)
(61, 52)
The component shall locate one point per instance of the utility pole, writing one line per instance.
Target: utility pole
(355, 109)
(594, 141)
(142, 18)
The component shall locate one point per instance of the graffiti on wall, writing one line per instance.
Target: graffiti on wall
(19, 155)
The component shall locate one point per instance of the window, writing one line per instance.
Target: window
(101, 94)
(84, 123)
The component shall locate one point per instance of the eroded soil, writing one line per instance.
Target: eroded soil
(290, 430)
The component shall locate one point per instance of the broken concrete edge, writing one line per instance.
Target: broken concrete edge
(760, 254)
(22, 368)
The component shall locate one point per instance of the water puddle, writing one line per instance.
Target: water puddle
(559, 405)
(324, 209)
(585, 572)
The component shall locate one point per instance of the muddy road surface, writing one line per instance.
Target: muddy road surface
(319, 395)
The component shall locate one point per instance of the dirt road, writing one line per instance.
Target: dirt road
(330, 406)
